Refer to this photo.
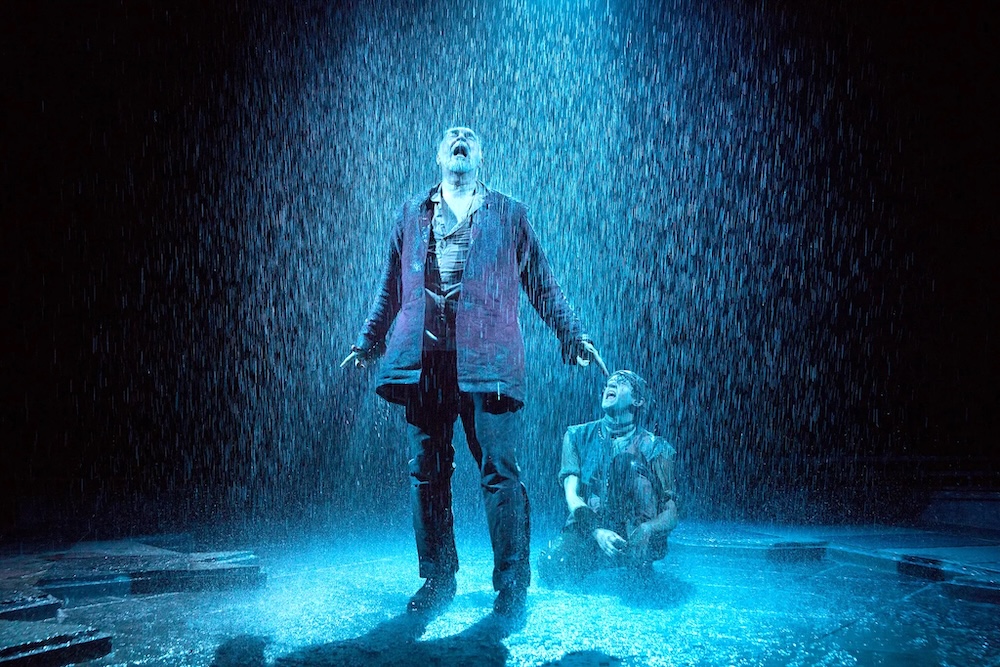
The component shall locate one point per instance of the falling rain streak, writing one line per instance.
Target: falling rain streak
(720, 190)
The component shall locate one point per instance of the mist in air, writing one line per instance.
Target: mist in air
(726, 194)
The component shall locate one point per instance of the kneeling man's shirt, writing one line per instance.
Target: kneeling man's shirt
(588, 450)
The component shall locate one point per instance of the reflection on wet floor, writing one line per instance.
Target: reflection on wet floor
(725, 595)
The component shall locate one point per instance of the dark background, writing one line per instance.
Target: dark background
(140, 370)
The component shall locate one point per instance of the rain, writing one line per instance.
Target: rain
(747, 203)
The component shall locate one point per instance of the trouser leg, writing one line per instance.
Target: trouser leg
(631, 502)
(630, 499)
(493, 441)
(430, 417)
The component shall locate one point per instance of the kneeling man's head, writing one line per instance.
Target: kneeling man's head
(624, 392)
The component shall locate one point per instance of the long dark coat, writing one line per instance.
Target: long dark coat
(504, 257)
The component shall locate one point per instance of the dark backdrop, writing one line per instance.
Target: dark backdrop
(781, 216)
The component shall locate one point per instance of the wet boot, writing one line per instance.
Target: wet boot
(435, 594)
(511, 607)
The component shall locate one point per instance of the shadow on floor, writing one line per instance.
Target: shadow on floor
(241, 651)
(663, 591)
(392, 643)
(395, 643)
(660, 591)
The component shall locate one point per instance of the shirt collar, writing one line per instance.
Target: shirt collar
(478, 197)
(479, 193)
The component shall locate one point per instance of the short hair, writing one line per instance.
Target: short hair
(640, 390)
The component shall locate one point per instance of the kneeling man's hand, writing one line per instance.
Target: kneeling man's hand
(610, 542)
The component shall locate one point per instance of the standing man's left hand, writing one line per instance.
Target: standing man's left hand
(357, 356)
(591, 353)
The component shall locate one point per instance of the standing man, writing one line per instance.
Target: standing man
(618, 480)
(458, 257)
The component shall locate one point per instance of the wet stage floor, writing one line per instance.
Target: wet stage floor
(725, 595)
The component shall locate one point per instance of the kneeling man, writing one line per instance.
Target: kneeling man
(618, 480)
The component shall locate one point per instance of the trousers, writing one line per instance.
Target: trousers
(631, 499)
(492, 429)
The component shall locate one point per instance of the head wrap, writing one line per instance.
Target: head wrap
(639, 389)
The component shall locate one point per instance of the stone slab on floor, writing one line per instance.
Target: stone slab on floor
(24, 643)
(942, 554)
(934, 554)
(35, 607)
(900, 542)
(31, 587)
(974, 589)
(20, 599)
(985, 557)
(124, 567)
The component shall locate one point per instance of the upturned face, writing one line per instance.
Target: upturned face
(460, 150)
(617, 397)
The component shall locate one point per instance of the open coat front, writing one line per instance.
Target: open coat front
(504, 257)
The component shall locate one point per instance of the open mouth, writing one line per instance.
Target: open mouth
(460, 149)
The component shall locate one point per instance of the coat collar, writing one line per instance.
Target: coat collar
(434, 198)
